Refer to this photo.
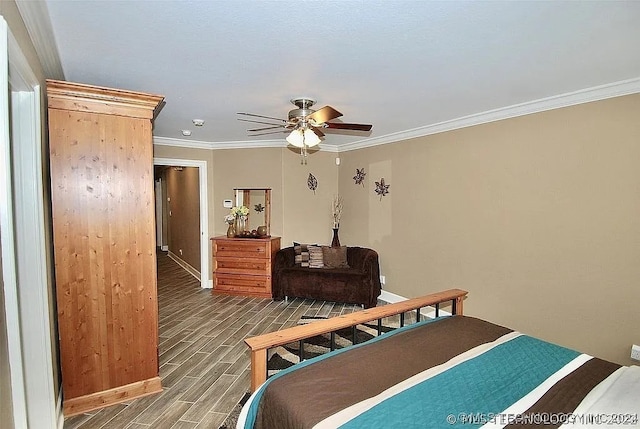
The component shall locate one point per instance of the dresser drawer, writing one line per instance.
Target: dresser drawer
(242, 248)
(242, 265)
(242, 285)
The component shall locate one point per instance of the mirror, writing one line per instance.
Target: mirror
(258, 201)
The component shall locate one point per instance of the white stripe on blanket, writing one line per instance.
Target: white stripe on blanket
(617, 396)
(343, 416)
(532, 397)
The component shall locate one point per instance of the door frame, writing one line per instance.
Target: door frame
(26, 269)
(205, 261)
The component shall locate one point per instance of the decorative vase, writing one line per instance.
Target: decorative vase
(336, 241)
(262, 230)
(231, 230)
(240, 225)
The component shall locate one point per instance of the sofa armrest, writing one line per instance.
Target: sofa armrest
(359, 257)
(366, 261)
(285, 258)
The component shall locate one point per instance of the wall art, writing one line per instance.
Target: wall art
(359, 177)
(312, 183)
(381, 188)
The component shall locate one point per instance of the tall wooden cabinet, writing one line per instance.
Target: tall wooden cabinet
(104, 243)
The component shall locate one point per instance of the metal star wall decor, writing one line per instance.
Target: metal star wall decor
(381, 188)
(359, 177)
(312, 183)
(259, 207)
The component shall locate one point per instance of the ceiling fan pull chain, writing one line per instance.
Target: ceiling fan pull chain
(303, 151)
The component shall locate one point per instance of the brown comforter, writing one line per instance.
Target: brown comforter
(311, 393)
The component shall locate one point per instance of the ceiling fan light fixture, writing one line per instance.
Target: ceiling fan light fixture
(300, 138)
(310, 138)
(295, 138)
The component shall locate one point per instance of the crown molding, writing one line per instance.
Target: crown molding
(36, 19)
(616, 89)
(197, 144)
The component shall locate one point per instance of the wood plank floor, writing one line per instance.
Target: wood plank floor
(204, 363)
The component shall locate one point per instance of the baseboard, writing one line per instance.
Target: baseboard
(94, 401)
(164, 248)
(392, 298)
(188, 268)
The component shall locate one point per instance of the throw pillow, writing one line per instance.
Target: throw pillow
(315, 257)
(335, 257)
(302, 254)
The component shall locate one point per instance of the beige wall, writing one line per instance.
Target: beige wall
(183, 195)
(536, 216)
(296, 212)
(246, 168)
(307, 215)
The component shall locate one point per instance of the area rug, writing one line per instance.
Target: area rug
(283, 357)
(232, 419)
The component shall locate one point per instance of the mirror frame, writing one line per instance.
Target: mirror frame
(243, 197)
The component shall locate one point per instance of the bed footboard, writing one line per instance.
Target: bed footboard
(259, 345)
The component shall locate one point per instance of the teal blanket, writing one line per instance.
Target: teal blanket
(480, 387)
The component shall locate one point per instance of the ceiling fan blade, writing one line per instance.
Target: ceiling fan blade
(343, 126)
(265, 128)
(262, 116)
(317, 131)
(324, 114)
(269, 132)
(259, 122)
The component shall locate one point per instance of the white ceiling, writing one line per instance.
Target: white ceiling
(399, 65)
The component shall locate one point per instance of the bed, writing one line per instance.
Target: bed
(437, 372)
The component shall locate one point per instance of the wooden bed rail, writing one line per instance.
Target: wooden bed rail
(260, 344)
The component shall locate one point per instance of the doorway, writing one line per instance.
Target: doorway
(205, 261)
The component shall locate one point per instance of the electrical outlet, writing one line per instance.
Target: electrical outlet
(635, 352)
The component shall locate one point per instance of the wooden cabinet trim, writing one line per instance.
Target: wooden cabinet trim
(88, 98)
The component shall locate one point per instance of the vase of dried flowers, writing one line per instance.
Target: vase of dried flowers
(336, 211)
(335, 242)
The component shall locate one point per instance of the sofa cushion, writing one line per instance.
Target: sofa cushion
(302, 254)
(335, 257)
(315, 257)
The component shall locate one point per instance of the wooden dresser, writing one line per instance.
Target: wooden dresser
(104, 243)
(242, 266)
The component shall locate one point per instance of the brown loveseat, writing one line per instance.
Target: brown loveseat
(358, 284)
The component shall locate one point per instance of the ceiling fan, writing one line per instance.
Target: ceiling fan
(303, 124)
